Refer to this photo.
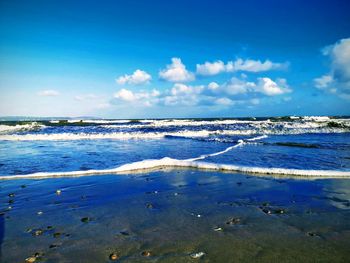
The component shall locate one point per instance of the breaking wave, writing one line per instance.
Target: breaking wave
(167, 162)
(20, 127)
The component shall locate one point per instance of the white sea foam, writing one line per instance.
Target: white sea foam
(167, 162)
(97, 121)
(311, 125)
(240, 143)
(175, 163)
(317, 118)
(93, 136)
(289, 128)
(20, 127)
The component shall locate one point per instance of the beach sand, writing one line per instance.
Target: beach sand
(170, 215)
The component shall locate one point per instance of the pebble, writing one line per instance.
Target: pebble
(85, 219)
(149, 205)
(31, 259)
(197, 255)
(58, 192)
(233, 221)
(38, 254)
(311, 234)
(57, 235)
(11, 194)
(113, 256)
(279, 211)
(38, 232)
(53, 246)
(40, 213)
(266, 211)
(218, 228)
(146, 253)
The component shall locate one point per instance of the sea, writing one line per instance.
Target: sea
(272, 189)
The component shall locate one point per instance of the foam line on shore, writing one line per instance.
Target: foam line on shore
(167, 162)
(240, 143)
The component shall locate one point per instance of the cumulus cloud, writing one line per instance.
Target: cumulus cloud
(145, 98)
(272, 88)
(237, 86)
(265, 86)
(248, 65)
(211, 68)
(137, 78)
(213, 86)
(176, 72)
(224, 101)
(48, 93)
(337, 80)
(181, 94)
(235, 91)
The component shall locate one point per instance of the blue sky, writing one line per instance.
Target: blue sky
(154, 59)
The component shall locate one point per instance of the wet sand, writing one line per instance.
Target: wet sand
(169, 215)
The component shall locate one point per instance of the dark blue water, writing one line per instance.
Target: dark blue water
(52, 146)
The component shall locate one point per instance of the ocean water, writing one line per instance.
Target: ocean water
(306, 146)
(238, 190)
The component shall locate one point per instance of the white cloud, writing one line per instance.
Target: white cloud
(233, 92)
(248, 65)
(176, 72)
(224, 101)
(208, 68)
(255, 65)
(323, 82)
(182, 89)
(137, 78)
(213, 86)
(237, 86)
(272, 88)
(48, 93)
(181, 94)
(337, 81)
(145, 98)
(126, 95)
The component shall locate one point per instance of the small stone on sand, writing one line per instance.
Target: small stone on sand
(113, 256)
(85, 219)
(218, 229)
(197, 255)
(146, 253)
(38, 232)
(57, 235)
(233, 221)
(149, 206)
(30, 259)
